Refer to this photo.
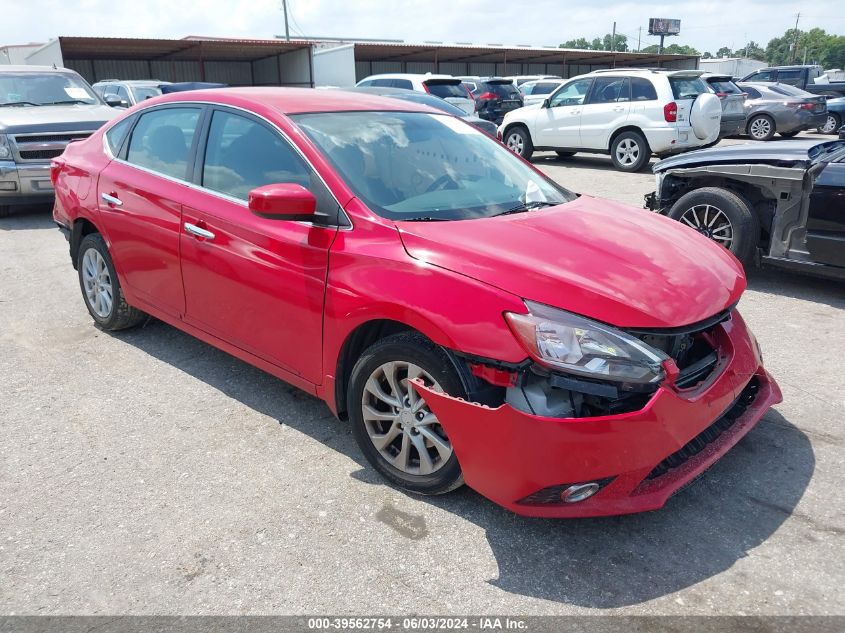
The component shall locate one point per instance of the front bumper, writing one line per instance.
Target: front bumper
(508, 456)
(25, 183)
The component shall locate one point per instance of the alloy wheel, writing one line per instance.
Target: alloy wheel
(516, 143)
(710, 222)
(761, 128)
(399, 423)
(829, 126)
(97, 282)
(627, 151)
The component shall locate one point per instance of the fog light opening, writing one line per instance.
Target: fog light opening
(579, 492)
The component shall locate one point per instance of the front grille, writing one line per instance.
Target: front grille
(52, 138)
(710, 434)
(40, 154)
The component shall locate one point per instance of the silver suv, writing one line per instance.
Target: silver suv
(42, 109)
(126, 93)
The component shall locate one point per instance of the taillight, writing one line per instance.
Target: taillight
(670, 112)
(721, 95)
(487, 96)
(799, 105)
(425, 87)
(55, 168)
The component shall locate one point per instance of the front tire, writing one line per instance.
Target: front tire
(723, 217)
(101, 288)
(761, 127)
(789, 134)
(831, 125)
(397, 432)
(630, 152)
(518, 140)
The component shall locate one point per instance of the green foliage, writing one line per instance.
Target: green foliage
(815, 46)
(724, 52)
(599, 43)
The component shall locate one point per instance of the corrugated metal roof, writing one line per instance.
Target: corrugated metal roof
(207, 49)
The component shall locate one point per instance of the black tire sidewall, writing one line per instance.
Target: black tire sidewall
(527, 145)
(645, 152)
(415, 348)
(96, 241)
(743, 221)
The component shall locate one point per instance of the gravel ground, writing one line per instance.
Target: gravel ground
(147, 473)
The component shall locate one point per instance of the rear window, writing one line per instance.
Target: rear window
(790, 91)
(445, 89)
(687, 87)
(505, 91)
(753, 93)
(723, 86)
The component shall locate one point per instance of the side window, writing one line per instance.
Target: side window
(242, 154)
(571, 94)
(365, 84)
(642, 90)
(162, 140)
(753, 93)
(791, 77)
(403, 83)
(544, 89)
(610, 90)
(117, 134)
(383, 83)
(123, 93)
(763, 75)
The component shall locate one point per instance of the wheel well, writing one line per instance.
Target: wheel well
(627, 128)
(513, 125)
(358, 340)
(81, 228)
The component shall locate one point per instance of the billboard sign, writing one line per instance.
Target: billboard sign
(663, 26)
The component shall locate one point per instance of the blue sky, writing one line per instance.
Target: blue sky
(704, 25)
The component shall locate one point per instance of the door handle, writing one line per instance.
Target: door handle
(618, 109)
(111, 199)
(574, 112)
(193, 229)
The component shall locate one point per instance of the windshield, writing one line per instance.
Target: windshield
(146, 92)
(687, 87)
(446, 89)
(418, 166)
(44, 89)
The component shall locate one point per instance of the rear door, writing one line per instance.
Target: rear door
(452, 91)
(559, 125)
(140, 196)
(685, 90)
(826, 221)
(606, 110)
(256, 282)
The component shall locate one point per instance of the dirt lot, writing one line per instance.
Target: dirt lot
(146, 472)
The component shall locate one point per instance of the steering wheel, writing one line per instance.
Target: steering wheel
(442, 182)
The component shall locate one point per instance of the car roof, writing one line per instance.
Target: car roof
(133, 82)
(35, 69)
(294, 100)
(420, 76)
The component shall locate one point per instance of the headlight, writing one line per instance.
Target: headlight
(577, 345)
(5, 150)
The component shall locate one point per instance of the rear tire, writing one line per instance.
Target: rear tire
(722, 216)
(101, 288)
(789, 134)
(518, 140)
(630, 152)
(831, 125)
(761, 127)
(383, 369)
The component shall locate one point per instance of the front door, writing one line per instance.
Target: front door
(140, 196)
(826, 221)
(559, 125)
(256, 282)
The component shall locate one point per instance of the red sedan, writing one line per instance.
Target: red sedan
(474, 321)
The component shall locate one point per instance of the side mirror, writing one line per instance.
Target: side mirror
(546, 102)
(285, 201)
(116, 102)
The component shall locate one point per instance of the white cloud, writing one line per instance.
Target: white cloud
(706, 25)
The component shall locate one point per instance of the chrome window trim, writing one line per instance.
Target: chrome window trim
(218, 194)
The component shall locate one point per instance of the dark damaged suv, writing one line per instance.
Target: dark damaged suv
(783, 202)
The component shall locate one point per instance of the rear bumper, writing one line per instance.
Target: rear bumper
(672, 140)
(640, 459)
(25, 183)
(802, 120)
(732, 125)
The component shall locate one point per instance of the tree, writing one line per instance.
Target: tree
(778, 49)
(672, 49)
(707, 55)
(724, 52)
(581, 43)
(615, 43)
(752, 50)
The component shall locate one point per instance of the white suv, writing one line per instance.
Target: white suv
(446, 87)
(628, 113)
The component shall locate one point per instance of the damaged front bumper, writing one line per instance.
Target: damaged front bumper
(638, 459)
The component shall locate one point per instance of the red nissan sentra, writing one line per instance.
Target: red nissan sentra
(476, 323)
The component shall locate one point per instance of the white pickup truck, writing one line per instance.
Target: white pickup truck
(42, 108)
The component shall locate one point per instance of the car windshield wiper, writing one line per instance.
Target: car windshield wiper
(523, 207)
(66, 102)
(19, 103)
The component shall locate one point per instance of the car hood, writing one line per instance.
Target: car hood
(604, 260)
(56, 118)
(781, 152)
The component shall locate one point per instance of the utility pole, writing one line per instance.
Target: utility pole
(285, 10)
(794, 40)
(613, 38)
(639, 37)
